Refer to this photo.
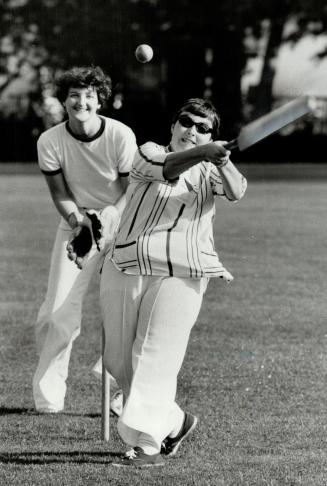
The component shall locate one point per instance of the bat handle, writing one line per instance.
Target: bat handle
(231, 145)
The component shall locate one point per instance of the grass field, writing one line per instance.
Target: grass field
(256, 367)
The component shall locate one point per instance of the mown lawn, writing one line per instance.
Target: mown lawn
(255, 371)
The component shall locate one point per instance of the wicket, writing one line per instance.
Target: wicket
(105, 400)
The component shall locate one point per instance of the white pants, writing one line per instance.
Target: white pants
(59, 321)
(147, 323)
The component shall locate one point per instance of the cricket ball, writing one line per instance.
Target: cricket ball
(144, 53)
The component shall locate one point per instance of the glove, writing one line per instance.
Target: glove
(79, 245)
(98, 227)
(104, 225)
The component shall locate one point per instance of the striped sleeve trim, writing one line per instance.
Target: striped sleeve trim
(124, 265)
(153, 162)
(51, 172)
(124, 245)
(139, 175)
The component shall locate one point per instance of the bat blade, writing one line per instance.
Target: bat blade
(272, 122)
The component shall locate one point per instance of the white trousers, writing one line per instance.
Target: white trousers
(59, 321)
(147, 323)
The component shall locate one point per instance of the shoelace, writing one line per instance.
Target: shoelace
(132, 454)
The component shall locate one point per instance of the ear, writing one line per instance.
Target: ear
(172, 128)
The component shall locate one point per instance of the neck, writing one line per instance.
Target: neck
(87, 129)
(174, 147)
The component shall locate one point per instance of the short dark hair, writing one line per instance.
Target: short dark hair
(82, 77)
(201, 107)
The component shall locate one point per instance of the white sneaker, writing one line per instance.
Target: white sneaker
(116, 403)
(48, 410)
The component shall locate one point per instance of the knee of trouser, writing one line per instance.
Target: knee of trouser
(68, 315)
(62, 329)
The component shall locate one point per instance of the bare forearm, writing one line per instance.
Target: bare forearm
(66, 208)
(178, 162)
(63, 200)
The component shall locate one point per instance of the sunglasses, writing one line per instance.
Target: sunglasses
(201, 128)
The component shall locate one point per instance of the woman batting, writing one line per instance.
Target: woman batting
(156, 273)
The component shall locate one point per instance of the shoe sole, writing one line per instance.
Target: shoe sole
(160, 464)
(48, 411)
(188, 433)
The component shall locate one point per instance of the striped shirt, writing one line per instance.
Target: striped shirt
(166, 227)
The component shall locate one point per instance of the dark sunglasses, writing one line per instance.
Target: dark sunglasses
(187, 122)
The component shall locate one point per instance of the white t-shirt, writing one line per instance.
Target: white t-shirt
(91, 168)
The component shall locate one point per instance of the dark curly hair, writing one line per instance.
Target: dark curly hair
(201, 107)
(82, 77)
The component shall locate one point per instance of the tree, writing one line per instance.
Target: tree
(200, 49)
(268, 19)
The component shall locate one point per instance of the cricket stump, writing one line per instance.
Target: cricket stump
(105, 399)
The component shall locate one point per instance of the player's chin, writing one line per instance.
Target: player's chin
(186, 144)
(82, 116)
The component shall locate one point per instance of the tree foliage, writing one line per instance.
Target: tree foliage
(307, 16)
(200, 50)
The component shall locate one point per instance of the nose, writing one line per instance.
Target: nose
(81, 100)
(192, 130)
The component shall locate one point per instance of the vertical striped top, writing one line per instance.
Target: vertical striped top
(166, 227)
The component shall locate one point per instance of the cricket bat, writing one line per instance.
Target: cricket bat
(270, 123)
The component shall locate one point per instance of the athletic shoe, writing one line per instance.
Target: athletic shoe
(136, 457)
(48, 410)
(170, 446)
(116, 403)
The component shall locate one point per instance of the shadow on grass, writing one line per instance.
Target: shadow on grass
(32, 411)
(51, 457)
